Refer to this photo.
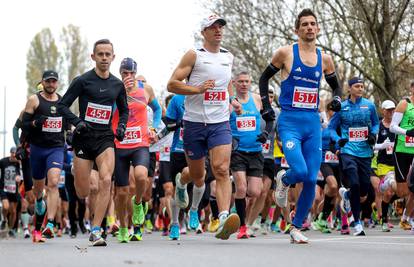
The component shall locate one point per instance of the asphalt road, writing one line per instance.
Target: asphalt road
(376, 249)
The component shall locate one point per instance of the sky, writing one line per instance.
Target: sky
(155, 33)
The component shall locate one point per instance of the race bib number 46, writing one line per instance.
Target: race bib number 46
(266, 147)
(304, 97)
(358, 134)
(245, 124)
(133, 135)
(215, 97)
(98, 113)
(52, 125)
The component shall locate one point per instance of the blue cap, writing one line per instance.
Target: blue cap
(128, 64)
(355, 80)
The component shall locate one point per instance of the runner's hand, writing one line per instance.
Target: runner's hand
(410, 132)
(237, 107)
(262, 138)
(335, 104)
(268, 114)
(38, 123)
(82, 127)
(372, 139)
(209, 84)
(342, 142)
(120, 132)
(129, 83)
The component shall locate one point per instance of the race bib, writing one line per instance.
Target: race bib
(283, 163)
(358, 134)
(320, 176)
(133, 135)
(165, 150)
(98, 113)
(390, 149)
(331, 157)
(304, 97)
(52, 125)
(245, 124)
(10, 180)
(266, 147)
(215, 97)
(409, 141)
(181, 134)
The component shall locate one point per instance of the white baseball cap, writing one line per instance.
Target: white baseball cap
(387, 104)
(210, 20)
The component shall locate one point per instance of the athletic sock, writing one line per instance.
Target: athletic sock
(384, 209)
(241, 209)
(197, 196)
(175, 211)
(327, 207)
(214, 207)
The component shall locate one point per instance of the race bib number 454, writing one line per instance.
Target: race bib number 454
(98, 113)
(304, 97)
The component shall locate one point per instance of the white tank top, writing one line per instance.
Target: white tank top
(213, 105)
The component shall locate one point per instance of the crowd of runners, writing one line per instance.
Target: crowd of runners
(215, 157)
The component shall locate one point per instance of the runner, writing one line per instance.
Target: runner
(10, 196)
(302, 66)
(402, 124)
(133, 150)
(93, 140)
(359, 124)
(246, 158)
(45, 126)
(206, 127)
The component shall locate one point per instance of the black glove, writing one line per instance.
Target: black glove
(332, 146)
(82, 127)
(342, 142)
(20, 153)
(268, 114)
(38, 123)
(69, 137)
(335, 104)
(173, 125)
(120, 132)
(410, 132)
(372, 139)
(262, 138)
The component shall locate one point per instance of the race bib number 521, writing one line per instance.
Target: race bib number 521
(214, 97)
(98, 113)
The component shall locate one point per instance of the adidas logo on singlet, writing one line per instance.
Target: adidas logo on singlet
(298, 69)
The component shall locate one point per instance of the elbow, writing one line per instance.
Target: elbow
(170, 86)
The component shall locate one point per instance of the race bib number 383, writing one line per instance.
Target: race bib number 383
(304, 97)
(245, 124)
(215, 97)
(52, 125)
(98, 113)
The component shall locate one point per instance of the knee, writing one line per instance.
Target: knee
(221, 171)
(168, 189)
(254, 192)
(300, 172)
(241, 191)
(122, 192)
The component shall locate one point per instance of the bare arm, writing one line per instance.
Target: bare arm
(183, 70)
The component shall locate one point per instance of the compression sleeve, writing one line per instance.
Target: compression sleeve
(27, 121)
(71, 94)
(264, 85)
(395, 124)
(122, 105)
(18, 125)
(332, 80)
(156, 108)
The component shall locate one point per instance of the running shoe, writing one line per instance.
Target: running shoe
(296, 236)
(148, 226)
(281, 192)
(228, 226)
(213, 225)
(251, 231)
(358, 229)
(181, 195)
(183, 229)
(96, 239)
(345, 203)
(385, 228)
(3, 225)
(321, 225)
(405, 225)
(243, 232)
(264, 228)
(48, 231)
(194, 222)
(138, 215)
(199, 229)
(174, 232)
(137, 235)
(123, 235)
(345, 230)
(159, 223)
(59, 233)
(274, 227)
(26, 233)
(306, 225)
(165, 232)
(37, 237)
(12, 233)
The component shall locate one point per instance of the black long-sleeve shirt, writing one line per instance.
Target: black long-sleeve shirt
(97, 97)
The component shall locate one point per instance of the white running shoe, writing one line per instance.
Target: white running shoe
(359, 230)
(296, 236)
(281, 192)
(345, 204)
